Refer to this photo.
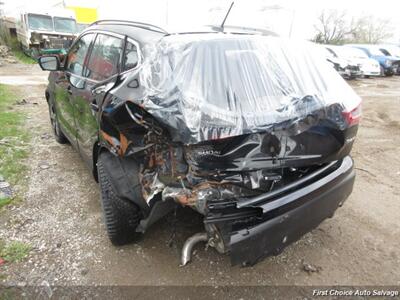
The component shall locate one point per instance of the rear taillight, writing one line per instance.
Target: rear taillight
(353, 117)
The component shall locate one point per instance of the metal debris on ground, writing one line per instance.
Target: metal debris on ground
(45, 136)
(21, 102)
(44, 166)
(5, 189)
(309, 268)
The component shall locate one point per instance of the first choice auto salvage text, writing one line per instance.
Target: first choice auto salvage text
(356, 292)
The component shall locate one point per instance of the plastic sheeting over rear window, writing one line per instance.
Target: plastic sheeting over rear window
(212, 86)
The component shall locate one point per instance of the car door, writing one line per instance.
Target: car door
(100, 74)
(72, 76)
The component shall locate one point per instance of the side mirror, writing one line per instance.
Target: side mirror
(49, 63)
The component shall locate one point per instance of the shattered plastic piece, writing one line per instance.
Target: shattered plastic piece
(5, 189)
(44, 166)
(309, 268)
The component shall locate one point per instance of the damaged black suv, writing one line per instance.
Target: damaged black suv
(250, 130)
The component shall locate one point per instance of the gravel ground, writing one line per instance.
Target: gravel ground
(61, 216)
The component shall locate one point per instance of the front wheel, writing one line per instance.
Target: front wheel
(382, 72)
(121, 216)
(58, 134)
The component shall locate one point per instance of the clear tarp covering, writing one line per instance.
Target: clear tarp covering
(215, 85)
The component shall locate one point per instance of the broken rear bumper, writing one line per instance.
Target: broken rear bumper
(290, 215)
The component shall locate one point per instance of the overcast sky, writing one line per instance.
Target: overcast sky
(275, 15)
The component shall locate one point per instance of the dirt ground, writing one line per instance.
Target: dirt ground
(61, 215)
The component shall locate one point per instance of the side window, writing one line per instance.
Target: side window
(331, 51)
(104, 58)
(131, 56)
(76, 57)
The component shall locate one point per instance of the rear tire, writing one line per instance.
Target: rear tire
(121, 216)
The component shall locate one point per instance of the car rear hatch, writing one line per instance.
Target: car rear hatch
(211, 87)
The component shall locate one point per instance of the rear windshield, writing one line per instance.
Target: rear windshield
(375, 51)
(223, 84)
(246, 75)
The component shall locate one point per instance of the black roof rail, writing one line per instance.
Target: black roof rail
(130, 23)
(243, 29)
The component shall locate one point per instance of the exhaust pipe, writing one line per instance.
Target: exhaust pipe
(189, 244)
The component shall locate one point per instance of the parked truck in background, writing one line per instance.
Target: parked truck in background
(48, 32)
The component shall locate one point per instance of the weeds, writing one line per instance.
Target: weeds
(18, 53)
(14, 251)
(13, 43)
(13, 142)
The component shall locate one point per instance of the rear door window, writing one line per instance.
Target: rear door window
(77, 55)
(105, 58)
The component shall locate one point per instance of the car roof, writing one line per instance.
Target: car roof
(141, 32)
(145, 33)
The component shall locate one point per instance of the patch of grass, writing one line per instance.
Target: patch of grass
(14, 251)
(4, 201)
(22, 57)
(15, 47)
(13, 141)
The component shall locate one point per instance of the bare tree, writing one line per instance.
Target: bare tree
(332, 27)
(336, 27)
(372, 30)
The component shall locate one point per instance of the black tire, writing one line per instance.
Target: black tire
(382, 72)
(121, 216)
(58, 134)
